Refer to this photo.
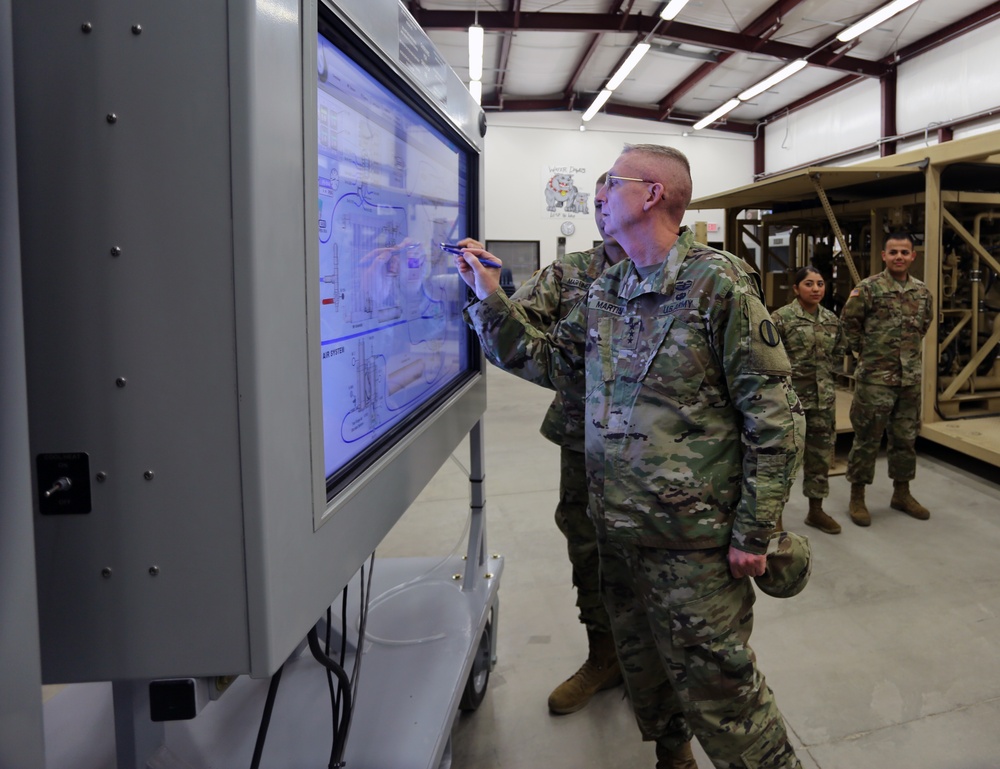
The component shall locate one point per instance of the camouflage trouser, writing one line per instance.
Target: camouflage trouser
(820, 435)
(581, 540)
(894, 411)
(681, 625)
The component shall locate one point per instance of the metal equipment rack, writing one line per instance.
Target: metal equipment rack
(950, 193)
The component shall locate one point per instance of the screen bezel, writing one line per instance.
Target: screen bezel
(353, 472)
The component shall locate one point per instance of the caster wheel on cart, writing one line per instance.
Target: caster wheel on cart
(479, 676)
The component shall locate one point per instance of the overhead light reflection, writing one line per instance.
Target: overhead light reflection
(628, 65)
(769, 82)
(725, 109)
(598, 102)
(673, 8)
(476, 35)
(882, 14)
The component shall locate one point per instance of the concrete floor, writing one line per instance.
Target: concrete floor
(889, 658)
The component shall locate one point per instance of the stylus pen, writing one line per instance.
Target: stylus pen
(456, 249)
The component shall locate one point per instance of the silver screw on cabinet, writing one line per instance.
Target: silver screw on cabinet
(154, 570)
(106, 572)
(136, 29)
(116, 250)
(86, 27)
(101, 477)
(148, 475)
(112, 117)
(120, 382)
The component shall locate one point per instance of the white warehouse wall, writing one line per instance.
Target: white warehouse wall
(520, 147)
(957, 80)
(841, 122)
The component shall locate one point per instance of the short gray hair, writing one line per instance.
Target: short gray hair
(661, 151)
(679, 189)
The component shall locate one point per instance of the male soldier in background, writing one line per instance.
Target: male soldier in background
(693, 437)
(884, 320)
(546, 297)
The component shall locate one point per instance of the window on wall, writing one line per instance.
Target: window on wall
(522, 256)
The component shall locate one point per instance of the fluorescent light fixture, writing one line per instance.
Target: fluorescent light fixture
(595, 107)
(476, 52)
(725, 109)
(476, 89)
(628, 65)
(769, 82)
(883, 13)
(673, 8)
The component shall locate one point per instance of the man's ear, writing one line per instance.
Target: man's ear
(654, 197)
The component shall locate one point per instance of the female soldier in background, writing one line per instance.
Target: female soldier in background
(815, 346)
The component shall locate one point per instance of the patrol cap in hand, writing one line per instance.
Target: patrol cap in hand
(789, 563)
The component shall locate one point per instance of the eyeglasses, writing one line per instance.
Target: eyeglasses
(612, 177)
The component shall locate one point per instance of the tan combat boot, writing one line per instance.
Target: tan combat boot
(903, 500)
(681, 758)
(819, 519)
(858, 511)
(600, 671)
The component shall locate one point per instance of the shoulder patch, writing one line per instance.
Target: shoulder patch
(769, 333)
(855, 292)
(766, 353)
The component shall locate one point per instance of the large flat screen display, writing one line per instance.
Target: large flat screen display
(393, 186)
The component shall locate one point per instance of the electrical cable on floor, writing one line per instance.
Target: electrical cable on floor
(265, 718)
(343, 639)
(336, 702)
(344, 690)
(343, 696)
(364, 604)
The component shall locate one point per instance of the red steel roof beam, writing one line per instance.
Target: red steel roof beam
(763, 27)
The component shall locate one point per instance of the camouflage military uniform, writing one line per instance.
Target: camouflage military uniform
(815, 347)
(546, 297)
(693, 437)
(884, 323)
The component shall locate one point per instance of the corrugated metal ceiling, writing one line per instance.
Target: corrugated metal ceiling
(557, 54)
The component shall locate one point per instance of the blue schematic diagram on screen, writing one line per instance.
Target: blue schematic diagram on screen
(391, 189)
